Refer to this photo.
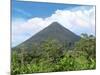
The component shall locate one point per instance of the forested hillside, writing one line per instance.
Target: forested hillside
(53, 56)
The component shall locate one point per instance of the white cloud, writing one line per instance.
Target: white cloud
(77, 21)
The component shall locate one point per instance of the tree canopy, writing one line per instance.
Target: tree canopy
(51, 56)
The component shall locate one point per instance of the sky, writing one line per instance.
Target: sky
(28, 18)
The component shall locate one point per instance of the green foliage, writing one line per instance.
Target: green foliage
(53, 56)
(52, 50)
(87, 45)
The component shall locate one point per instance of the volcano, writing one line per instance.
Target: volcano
(54, 31)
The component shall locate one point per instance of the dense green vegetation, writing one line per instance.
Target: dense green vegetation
(51, 56)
